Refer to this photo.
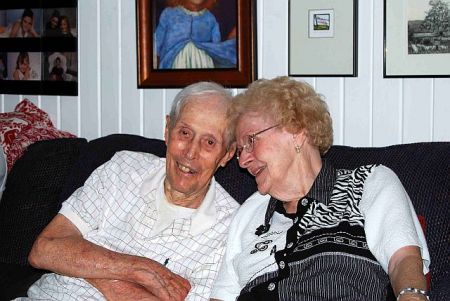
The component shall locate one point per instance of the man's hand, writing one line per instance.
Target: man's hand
(118, 290)
(161, 282)
(177, 288)
(150, 281)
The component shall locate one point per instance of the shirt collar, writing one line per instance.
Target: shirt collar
(192, 13)
(202, 218)
(322, 187)
(321, 191)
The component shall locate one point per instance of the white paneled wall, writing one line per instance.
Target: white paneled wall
(367, 110)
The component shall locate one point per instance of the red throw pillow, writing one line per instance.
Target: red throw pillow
(11, 123)
(29, 135)
(27, 124)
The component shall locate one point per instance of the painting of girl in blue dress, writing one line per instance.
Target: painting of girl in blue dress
(188, 34)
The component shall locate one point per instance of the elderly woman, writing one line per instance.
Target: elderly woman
(313, 232)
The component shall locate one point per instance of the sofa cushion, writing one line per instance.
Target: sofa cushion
(31, 197)
(100, 150)
(16, 279)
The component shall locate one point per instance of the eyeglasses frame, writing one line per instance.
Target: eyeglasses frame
(249, 146)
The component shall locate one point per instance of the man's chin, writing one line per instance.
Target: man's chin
(183, 189)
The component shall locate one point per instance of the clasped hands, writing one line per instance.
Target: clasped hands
(153, 283)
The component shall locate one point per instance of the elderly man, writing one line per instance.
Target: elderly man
(143, 227)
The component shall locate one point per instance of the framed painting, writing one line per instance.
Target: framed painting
(179, 42)
(323, 38)
(38, 47)
(416, 38)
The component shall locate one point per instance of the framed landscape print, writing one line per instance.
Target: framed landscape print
(323, 38)
(416, 38)
(180, 43)
(321, 23)
(38, 47)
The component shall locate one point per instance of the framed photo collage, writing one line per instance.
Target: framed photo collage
(38, 47)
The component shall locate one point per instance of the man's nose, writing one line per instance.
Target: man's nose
(192, 149)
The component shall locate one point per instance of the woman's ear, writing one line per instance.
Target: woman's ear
(299, 140)
(300, 137)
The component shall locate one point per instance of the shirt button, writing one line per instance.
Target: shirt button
(282, 265)
(271, 286)
(304, 202)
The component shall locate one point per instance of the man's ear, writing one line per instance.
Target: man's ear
(228, 155)
(166, 129)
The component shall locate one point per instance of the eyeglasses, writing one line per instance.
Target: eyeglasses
(248, 147)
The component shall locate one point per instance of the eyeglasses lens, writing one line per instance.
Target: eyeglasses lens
(250, 142)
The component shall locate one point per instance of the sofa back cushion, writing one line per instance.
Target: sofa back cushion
(100, 150)
(31, 197)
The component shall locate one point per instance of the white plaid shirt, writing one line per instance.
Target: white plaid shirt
(120, 207)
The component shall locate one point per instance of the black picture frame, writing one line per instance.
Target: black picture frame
(152, 75)
(330, 50)
(414, 47)
(52, 57)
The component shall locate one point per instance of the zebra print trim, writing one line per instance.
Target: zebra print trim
(344, 203)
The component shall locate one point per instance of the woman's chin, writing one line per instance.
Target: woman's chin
(263, 189)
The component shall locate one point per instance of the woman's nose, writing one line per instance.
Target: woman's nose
(245, 158)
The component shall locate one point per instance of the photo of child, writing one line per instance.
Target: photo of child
(24, 65)
(188, 36)
(60, 66)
